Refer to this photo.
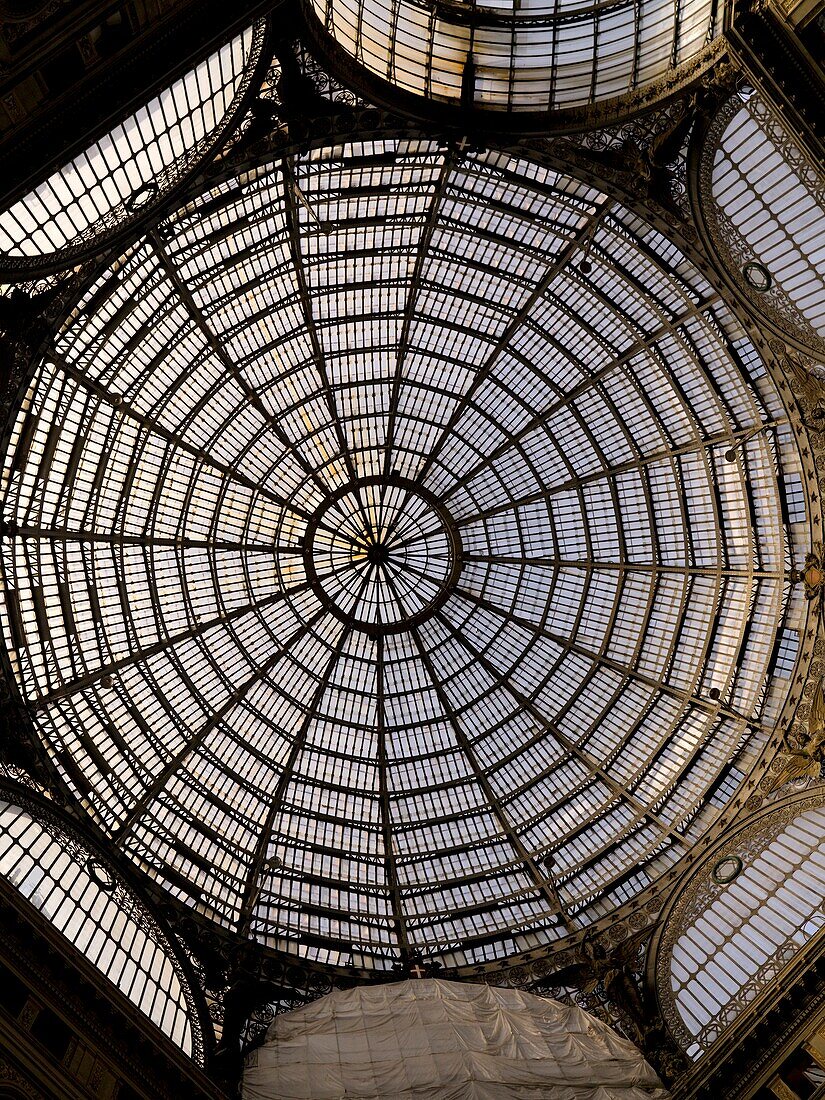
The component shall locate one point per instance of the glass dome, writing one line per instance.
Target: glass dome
(395, 554)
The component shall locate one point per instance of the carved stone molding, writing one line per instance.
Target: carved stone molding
(9, 1075)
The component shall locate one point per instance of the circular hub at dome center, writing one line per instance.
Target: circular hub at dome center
(378, 554)
(382, 554)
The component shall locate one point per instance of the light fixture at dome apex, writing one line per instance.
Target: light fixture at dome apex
(509, 555)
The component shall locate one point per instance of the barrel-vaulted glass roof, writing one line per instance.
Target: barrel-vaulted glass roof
(134, 165)
(96, 912)
(520, 55)
(396, 553)
(765, 205)
(741, 920)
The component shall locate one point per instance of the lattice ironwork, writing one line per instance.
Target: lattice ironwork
(75, 887)
(128, 172)
(763, 204)
(743, 916)
(552, 383)
(532, 57)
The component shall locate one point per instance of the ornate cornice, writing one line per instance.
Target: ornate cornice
(13, 1074)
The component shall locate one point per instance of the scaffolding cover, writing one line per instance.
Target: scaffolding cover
(433, 1039)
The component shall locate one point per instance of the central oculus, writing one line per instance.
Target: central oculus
(382, 554)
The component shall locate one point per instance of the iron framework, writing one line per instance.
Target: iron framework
(529, 753)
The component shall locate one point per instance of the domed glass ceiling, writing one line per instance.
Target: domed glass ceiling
(397, 553)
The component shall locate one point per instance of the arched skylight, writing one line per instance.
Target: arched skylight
(747, 915)
(397, 553)
(86, 901)
(522, 56)
(133, 165)
(766, 206)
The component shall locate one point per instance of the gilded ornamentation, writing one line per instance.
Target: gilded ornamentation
(807, 381)
(813, 578)
(612, 967)
(9, 1075)
(802, 757)
(607, 976)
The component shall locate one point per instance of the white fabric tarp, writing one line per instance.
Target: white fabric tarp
(439, 1040)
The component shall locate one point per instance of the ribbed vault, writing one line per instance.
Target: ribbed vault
(397, 553)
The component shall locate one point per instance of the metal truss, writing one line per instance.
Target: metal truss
(375, 573)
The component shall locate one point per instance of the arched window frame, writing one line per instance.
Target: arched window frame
(693, 897)
(98, 866)
(734, 256)
(118, 220)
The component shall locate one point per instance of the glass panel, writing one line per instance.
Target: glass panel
(767, 212)
(85, 901)
(374, 542)
(136, 163)
(763, 902)
(525, 56)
